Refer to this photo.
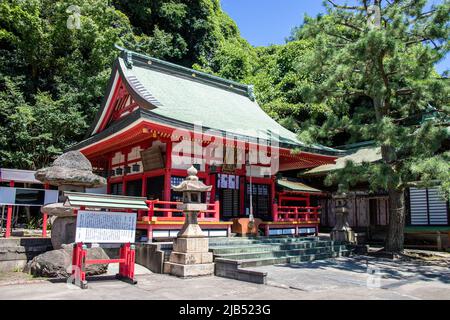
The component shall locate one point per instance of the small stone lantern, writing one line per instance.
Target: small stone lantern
(191, 188)
(190, 256)
(342, 230)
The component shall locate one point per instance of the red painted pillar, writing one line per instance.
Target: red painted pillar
(144, 186)
(242, 191)
(9, 215)
(168, 170)
(44, 217)
(275, 212)
(213, 183)
(108, 177)
(149, 233)
(124, 183)
(216, 210)
(272, 190)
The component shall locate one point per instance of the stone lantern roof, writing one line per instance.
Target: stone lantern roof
(192, 183)
(70, 168)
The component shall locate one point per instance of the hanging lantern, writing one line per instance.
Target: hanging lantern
(119, 171)
(127, 169)
(112, 173)
(136, 167)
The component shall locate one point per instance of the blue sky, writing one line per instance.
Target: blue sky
(265, 22)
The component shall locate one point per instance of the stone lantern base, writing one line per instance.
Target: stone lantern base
(190, 256)
(344, 235)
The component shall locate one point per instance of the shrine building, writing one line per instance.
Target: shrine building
(157, 119)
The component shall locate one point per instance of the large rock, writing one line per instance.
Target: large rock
(71, 168)
(63, 231)
(58, 263)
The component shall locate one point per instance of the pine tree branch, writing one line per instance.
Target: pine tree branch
(346, 24)
(416, 41)
(340, 37)
(423, 15)
(345, 7)
(404, 91)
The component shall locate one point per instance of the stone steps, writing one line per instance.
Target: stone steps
(221, 250)
(281, 253)
(216, 242)
(232, 257)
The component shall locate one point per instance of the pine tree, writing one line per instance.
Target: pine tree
(384, 51)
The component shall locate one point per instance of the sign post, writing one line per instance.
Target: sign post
(104, 227)
(95, 226)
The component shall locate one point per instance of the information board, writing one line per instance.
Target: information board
(105, 227)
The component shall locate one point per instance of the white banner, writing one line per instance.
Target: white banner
(27, 197)
(105, 227)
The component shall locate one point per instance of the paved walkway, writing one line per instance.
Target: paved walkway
(343, 278)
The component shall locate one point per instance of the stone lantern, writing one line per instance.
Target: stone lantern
(190, 256)
(342, 230)
(71, 171)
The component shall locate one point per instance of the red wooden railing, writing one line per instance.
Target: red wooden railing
(298, 214)
(168, 211)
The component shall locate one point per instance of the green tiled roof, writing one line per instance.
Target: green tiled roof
(296, 186)
(194, 97)
(368, 154)
(180, 97)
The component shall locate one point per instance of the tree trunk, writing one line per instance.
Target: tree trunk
(395, 236)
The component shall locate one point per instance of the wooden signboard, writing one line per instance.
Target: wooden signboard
(152, 158)
(105, 227)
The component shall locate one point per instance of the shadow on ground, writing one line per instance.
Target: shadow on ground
(389, 269)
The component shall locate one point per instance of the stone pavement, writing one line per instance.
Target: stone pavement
(342, 278)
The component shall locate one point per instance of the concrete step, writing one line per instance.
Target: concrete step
(26, 242)
(235, 269)
(281, 253)
(292, 259)
(220, 250)
(237, 242)
(23, 249)
(215, 242)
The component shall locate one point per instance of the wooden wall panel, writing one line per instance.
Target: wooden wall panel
(381, 204)
(332, 214)
(351, 211)
(363, 212)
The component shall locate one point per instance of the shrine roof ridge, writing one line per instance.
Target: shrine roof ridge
(130, 58)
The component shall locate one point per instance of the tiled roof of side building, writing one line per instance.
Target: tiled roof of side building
(357, 156)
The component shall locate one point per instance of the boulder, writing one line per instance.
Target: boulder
(71, 168)
(63, 231)
(58, 263)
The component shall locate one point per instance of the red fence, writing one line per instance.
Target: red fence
(299, 214)
(167, 210)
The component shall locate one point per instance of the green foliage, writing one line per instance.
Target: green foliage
(52, 78)
(381, 83)
(192, 33)
(284, 88)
